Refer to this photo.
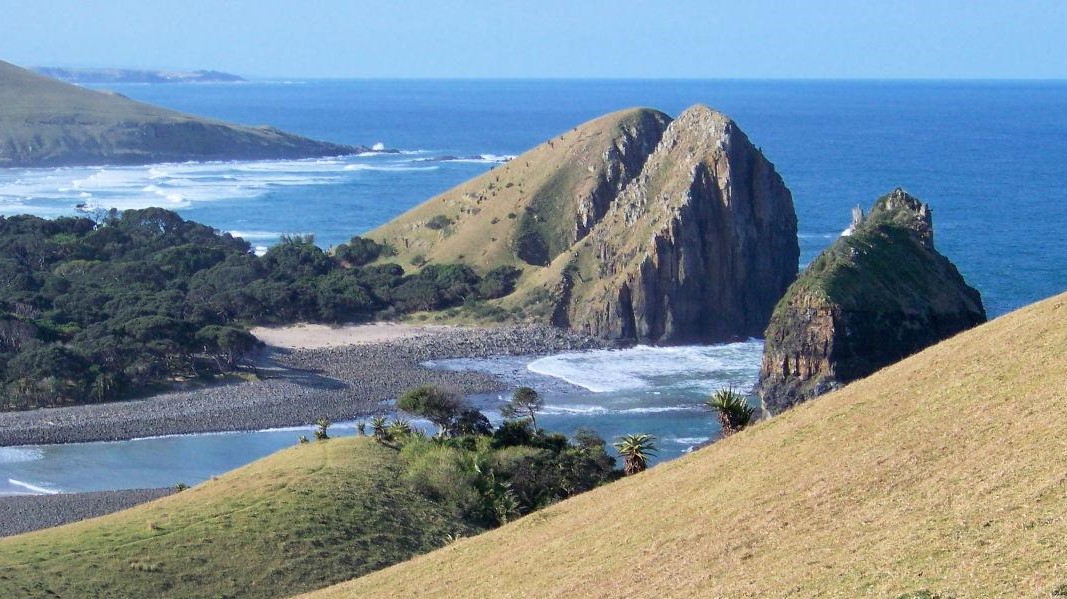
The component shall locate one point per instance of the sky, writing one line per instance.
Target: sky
(838, 39)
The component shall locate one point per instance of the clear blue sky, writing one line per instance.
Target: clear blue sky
(548, 38)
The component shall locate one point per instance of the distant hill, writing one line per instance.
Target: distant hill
(136, 76)
(45, 122)
(631, 227)
(943, 473)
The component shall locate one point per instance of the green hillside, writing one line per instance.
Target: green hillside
(45, 122)
(942, 473)
(301, 519)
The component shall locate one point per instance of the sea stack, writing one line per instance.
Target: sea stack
(631, 227)
(698, 248)
(880, 293)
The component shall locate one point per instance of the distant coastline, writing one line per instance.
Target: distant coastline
(81, 76)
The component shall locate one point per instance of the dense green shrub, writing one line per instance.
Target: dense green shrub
(94, 311)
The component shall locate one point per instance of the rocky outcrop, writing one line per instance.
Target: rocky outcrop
(699, 247)
(45, 122)
(631, 227)
(880, 293)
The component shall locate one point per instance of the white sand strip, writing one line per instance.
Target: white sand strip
(317, 336)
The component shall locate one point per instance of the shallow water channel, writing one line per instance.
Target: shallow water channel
(613, 392)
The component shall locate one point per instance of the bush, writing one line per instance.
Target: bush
(439, 222)
(498, 282)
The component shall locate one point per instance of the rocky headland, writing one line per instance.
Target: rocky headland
(880, 293)
(46, 122)
(632, 227)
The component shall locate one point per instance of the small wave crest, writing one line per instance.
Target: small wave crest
(36, 489)
(15, 455)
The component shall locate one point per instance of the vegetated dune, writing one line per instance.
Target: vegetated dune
(945, 472)
(298, 520)
(46, 122)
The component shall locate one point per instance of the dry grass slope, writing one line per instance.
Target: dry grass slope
(946, 472)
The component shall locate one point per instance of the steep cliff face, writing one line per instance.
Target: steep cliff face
(881, 292)
(699, 247)
(631, 227)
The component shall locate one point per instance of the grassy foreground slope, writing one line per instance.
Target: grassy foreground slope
(946, 472)
(301, 519)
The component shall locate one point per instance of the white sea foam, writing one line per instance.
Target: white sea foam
(37, 489)
(67, 190)
(14, 455)
(686, 440)
(256, 235)
(388, 168)
(642, 367)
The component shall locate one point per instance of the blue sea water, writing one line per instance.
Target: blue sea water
(988, 157)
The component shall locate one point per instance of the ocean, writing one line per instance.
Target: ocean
(987, 156)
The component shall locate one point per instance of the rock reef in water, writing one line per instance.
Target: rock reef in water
(881, 292)
(631, 227)
(45, 122)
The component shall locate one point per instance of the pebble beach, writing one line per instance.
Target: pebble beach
(299, 381)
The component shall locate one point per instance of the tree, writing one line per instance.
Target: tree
(470, 421)
(439, 406)
(524, 403)
(733, 410)
(227, 345)
(635, 451)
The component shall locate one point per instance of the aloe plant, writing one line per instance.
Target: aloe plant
(635, 451)
(734, 411)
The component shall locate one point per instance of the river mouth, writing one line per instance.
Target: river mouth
(659, 391)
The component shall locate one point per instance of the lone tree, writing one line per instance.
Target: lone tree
(440, 406)
(524, 403)
(635, 451)
(734, 411)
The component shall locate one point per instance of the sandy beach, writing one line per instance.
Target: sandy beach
(318, 336)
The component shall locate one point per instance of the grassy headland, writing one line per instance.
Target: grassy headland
(943, 472)
(46, 122)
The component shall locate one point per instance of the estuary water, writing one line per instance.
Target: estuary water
(987, 156)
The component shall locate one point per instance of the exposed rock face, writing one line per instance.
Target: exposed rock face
(45, 122)
(630, 227)
(699, 247)
(880, 293)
